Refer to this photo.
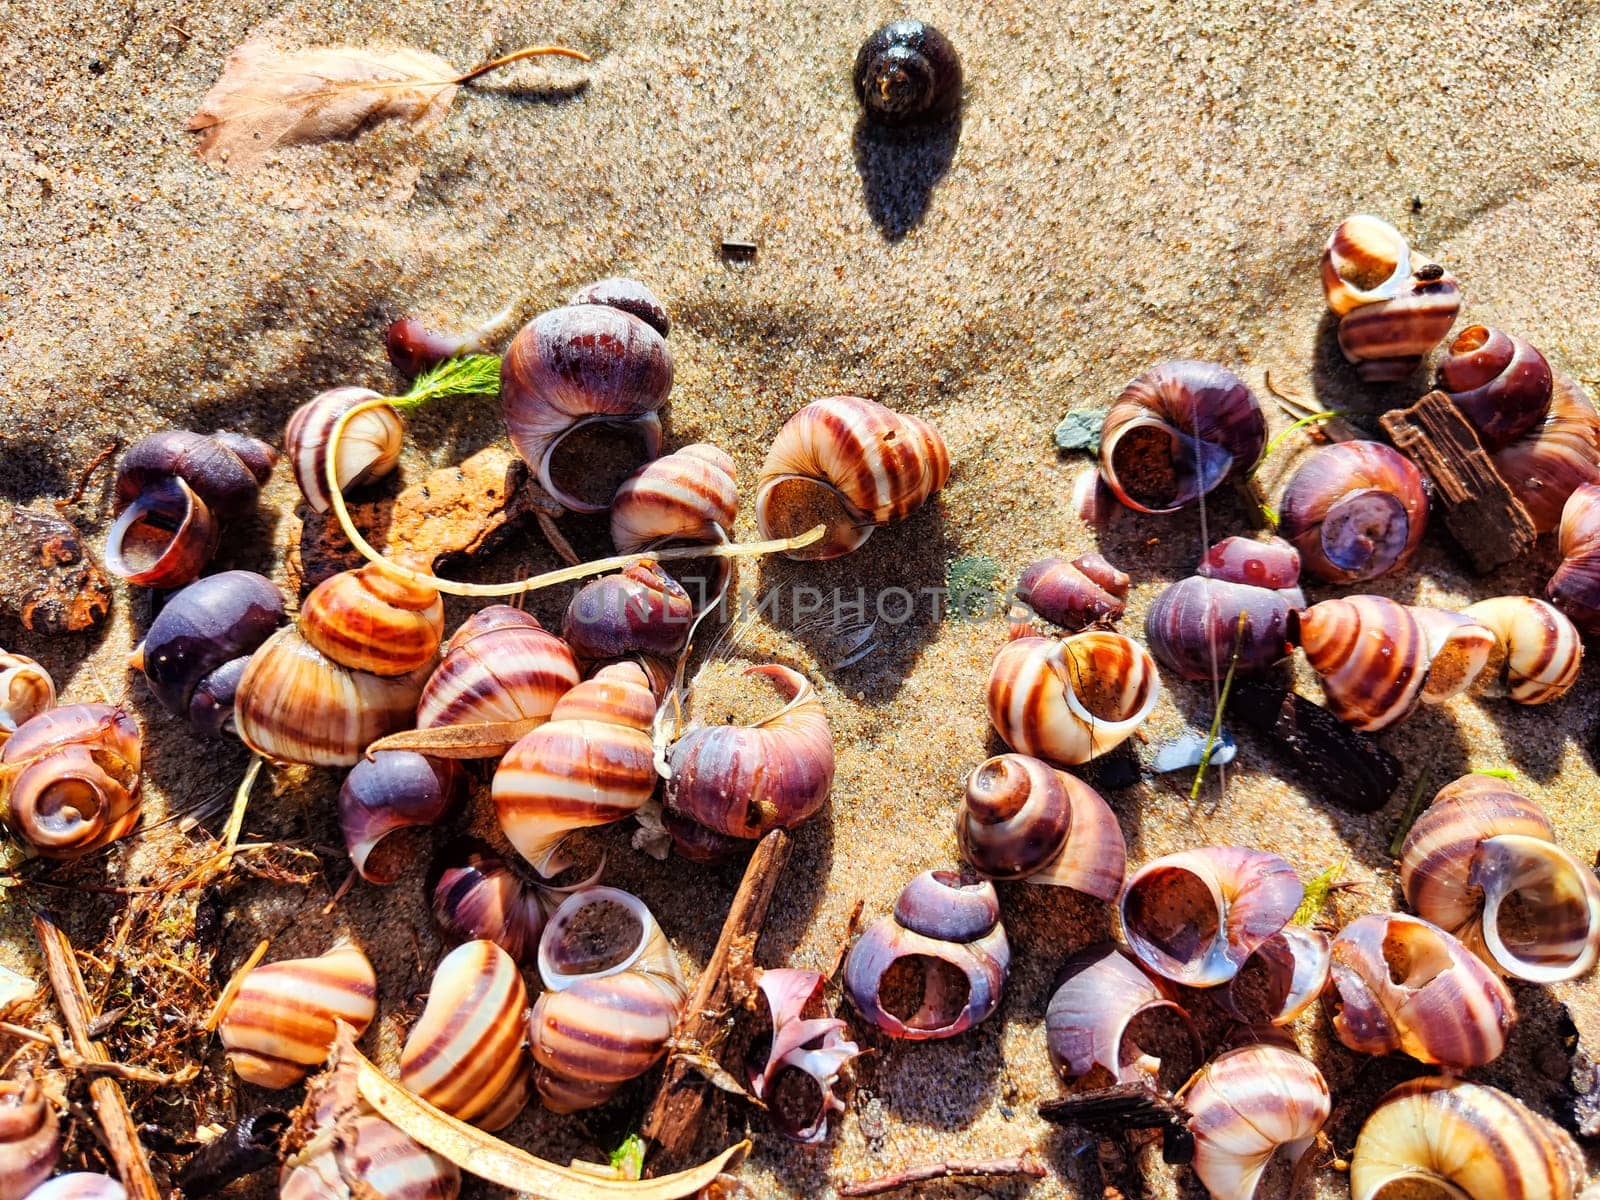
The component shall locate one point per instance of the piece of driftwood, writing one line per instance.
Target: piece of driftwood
(110, 1108)
(679, 1106)
(1122, 1108)
(1341, 765)
(1480, 510)
(1024, 1165)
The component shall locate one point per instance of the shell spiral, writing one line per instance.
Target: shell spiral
(371, 620)
(1538, 652)
(1068, 701)
(280, 1023)
(26, 690)
(1248, 1105)
(369, 449)
(1501, 384)
(69, 779)
(30, 1138)
(1354, 510)
(476, 894)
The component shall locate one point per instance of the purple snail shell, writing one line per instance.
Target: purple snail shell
(1196, 916)
(1538, 651)
(948, 929)
(586, 368)
(1194, 628)
(796, 1072)
(1354, 510)
(198, 644)
(69, 779)
(1076, 594)
(1021, 818)
(1553, 459)
(742, 781)
(1176, 432)
(1575, 586)
(1067, 701)
(30, 1138)
(640, 610)
(1280, 980)
(477, 894)
(1107, 1012)
(630, 296)
(26, 690)
(392, 791)
(174, 491)
(368, 450)
(1393, 307)
(80, 1185)
(1403, 984)
(1273, 564)
(1501, 384)
(1248, 1106)
(907, 73)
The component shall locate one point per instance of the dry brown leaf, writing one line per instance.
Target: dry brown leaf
(485, 739)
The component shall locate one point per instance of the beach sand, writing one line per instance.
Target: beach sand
(1128, 182)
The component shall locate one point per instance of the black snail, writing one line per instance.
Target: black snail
(907, 72)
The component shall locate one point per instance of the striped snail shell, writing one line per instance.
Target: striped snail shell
(1248, 1106)
(1107, 1012)
(944, 925)
(590, 368)
(69, 779)
(371, 620)
(629, 295)
(1067, 701)
(80, 1185)
(1440, 1135)
(1482, 847)
(477, 894)
(796, 1072)
(1393, 306)
(688, 497)
(1377, 657)
(1500, 383)
(295, 704)
(1176, 432)
(369, 448)
(1196, 916)
(1354, 510)
(1193, 627)
(1076, 594)
(1554, 458)
(464, 1054)
(591, 764)
(614, 994)
(30, 1138)
(744, 780)
(174, 491)
(852, 465)
(1023, 819)
(1280, 980)
(385, 796)
(26, 690)
(364, 1157)
(196, 649)
(280, 1022)
(1537, 653)
(1403, 984)
(639, 610)
(1575, 586)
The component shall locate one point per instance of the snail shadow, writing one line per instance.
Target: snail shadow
(1337, 386)
(32, 467)
(900, 168)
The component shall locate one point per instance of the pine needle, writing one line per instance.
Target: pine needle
(1216, 721)
(469, 375)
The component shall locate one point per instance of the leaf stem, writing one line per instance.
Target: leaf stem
(505, 60)
(1409, 817)
(1222, 703)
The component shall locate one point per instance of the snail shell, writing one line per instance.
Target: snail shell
(393, 791)
(369, 449)
(1067, 701)
(1196, 916)
(1537, 653)
(798, 1079)
(1575, 586)
(363, 1157)
(1272, 563)
(1107, 1012)
(614, 995)
(1023, 819)
(1551, 460)
(26, 690)
(464, 1054)
(499, 666)
(1247, 1106)
(1195, 627)
(1075, 594)
(745, 780)
(198, 644)
(280, 1023)
(1354, 510)
(30, 1138)
(1500, 383)
(907, 72)
(947, 928)
(1405, 984)
(295, 704)
(1466, 1139)
(1480, 845)
(588, 367)
(80, 1185)
(476, 894)
(688, 497)
(591, 764)
(631, 296)
(69, 779)
(640, 610)
(1176, 432)
(1280, 980)
(852, 465)
(371, 620)
(1393, 307)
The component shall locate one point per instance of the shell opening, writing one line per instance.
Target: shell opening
(1171, 916)
(1415, 955)
(1365, 531)
(586, 463)
(924, 992)
(1259, 992)
(790, 504)
(1541, 915)
(1097, 671)
(1418, 1187)
(1161, 468)
(1160, 1045)
(597, 932)
(1368, 253)
(146, 541)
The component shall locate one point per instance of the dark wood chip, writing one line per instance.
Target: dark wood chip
(1341, 765)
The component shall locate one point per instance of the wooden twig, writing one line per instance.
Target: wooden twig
(88, 472)
(1022, 1164)
(679, 1105)
(111, 1109)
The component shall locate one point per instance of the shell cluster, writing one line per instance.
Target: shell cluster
(69, 779)
(1393, 306)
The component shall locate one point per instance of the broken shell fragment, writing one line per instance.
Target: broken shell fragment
(70, 779)
(1280, 980)
(1538, 651)
(477, 894)
(1107, 1012)
(388, 794)
(796, 1070)
(80, 1185)
(1073, 594)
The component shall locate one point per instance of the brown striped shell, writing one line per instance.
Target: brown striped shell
(1500, 383)
(1403, 984)
(852, 465)
(368, 450)
(1247, 1106)
(69, 779)
(364, 1157)
(1537, 652)
(1354, 510)
(1575, 586)
(30, 1138)
(464, 1055)
(591, 764)
(1483, 847)
(685, 498)
(371, 620)
(1073, 594)
(1067, 701)
(1021, 818)
(1440, 1135)
(280, 1022)
(1553, 459)
(614, 994)
(1393, 306)
(26, 690)
(1108, 1012)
